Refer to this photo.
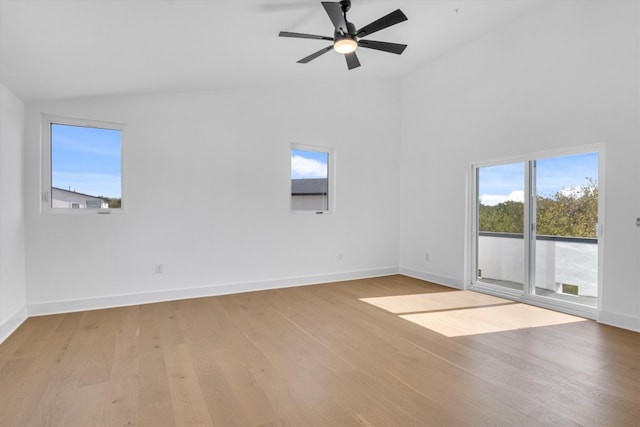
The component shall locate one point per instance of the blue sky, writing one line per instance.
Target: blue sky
(86, 160)
(506, 182)
(308, 164)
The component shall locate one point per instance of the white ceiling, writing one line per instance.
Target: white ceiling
(69, 48)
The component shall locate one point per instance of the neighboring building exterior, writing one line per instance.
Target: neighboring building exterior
(309, 194)
(70, 199)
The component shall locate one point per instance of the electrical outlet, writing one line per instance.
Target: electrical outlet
(426, 256)
(340, 256)
(159, 268)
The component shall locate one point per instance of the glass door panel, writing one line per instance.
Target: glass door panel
(566, 216)
(500, 240)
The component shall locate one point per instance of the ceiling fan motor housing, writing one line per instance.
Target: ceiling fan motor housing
(351, 32)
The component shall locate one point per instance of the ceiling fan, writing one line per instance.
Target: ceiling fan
(346, 39)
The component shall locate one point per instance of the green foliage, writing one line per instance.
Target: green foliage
(506, 217)
(571, 212)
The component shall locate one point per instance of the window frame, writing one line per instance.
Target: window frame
(331, 181)
(46, 167)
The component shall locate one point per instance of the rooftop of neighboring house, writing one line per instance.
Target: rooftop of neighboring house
(309, 187)
(75, 192)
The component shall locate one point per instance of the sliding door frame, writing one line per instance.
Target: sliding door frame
(527, 295)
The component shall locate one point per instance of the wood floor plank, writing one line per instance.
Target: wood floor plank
(155, 406)
(188, 403)
(120, 405)
(316, 356)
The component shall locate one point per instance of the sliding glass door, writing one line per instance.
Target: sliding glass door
(536, 229)
(500, 225)
(566, 231)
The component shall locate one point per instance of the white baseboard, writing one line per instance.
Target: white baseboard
(619, 320)
(12, 323)
(433, 278)
(54, 307)
(68, 306)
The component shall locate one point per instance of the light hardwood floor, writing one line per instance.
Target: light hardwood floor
(339, 354)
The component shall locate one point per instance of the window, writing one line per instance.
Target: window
(82, 167)
(94, 204)
(311, 179)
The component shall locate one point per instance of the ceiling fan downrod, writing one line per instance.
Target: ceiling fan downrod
(345, 5)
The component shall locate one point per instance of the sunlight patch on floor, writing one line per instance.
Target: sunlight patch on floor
(461, 313)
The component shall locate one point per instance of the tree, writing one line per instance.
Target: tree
(571, 212)
(115, 202)
(505, 217)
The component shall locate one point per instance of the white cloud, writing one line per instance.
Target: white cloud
(302, 167)
(495, 199)
(575, 192)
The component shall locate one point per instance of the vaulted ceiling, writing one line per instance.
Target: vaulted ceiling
(70, 48)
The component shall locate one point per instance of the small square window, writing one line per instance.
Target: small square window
(83, 164)
(311, 180)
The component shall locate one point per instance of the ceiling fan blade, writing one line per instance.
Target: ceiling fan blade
(303, 36)
(315, 55)
(352, 60)
(334, 10)
(383, 46)
(393, 18)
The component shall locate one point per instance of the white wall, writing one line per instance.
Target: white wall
(12, 238)
(566, 74)
(207, 194)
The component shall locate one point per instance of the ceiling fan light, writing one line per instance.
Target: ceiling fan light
(345, 45)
